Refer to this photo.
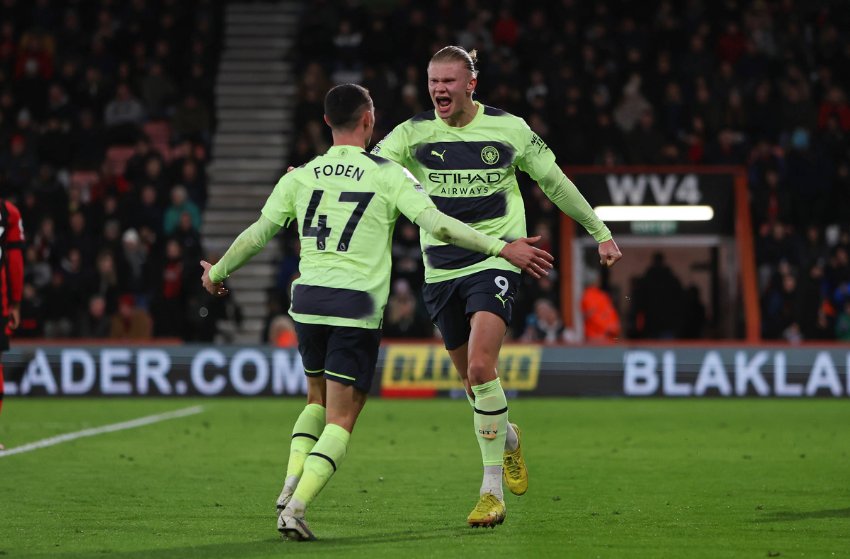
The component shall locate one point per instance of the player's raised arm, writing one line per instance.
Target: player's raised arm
(564, 194)
(277, 211)
(244, 247)
(538, 161)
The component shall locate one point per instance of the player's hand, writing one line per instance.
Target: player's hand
(524, 255)
(609, 253)
(14, 316)
(213, 288)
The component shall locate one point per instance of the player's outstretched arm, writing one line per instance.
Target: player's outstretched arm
(609, 253)
(213, 287)
(244, 247)
(564, 194)
(521, 253)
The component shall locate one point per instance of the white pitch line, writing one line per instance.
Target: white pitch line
(132, 424)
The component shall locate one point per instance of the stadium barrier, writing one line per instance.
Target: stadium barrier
(425, 370)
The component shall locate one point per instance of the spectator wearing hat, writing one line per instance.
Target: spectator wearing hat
(130, 322)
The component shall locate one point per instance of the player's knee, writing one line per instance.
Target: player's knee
(481, 371)
(344, 419)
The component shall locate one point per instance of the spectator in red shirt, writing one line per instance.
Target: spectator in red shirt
(835, 104)
(35, 56)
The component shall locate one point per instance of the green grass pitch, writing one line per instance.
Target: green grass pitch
(610, 478)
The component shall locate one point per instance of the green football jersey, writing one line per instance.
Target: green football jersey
(469, 173)
(346, 203)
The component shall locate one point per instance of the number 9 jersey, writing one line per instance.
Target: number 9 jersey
(470, 174)
(346, 203)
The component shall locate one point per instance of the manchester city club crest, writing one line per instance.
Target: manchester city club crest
(490, 155)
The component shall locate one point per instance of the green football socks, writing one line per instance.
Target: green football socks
(306, 432)
(320, 465)
(511, 439)
(491, 420)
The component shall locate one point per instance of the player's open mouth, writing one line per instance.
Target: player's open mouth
(443, 102)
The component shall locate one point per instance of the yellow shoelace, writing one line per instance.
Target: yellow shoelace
(486, 503)
(513, 464)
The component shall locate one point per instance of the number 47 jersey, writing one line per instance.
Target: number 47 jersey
(346, 203)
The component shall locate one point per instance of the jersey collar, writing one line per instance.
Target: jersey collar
(335, 150)
(478, 116)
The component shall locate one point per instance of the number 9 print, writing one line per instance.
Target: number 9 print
(502, 283)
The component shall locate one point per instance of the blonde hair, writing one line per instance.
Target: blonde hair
(454, 53)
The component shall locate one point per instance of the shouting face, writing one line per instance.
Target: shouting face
(450, 85)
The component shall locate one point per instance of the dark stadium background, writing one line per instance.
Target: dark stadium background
(108, 108)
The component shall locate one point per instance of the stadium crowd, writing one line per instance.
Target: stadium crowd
(758, 83)
(105, 123)
(104, 136)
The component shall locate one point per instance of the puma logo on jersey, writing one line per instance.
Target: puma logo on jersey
(501, 300)
(440, 155)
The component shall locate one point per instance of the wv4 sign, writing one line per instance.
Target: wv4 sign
(730, 372)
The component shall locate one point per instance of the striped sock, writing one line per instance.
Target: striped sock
(320, 465)
(491, 420)
(511, 440)
(306, 432)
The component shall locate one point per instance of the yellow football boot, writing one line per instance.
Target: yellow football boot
(489, 511)
(513, 467)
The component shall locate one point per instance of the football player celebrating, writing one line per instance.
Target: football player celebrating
(346, 203)
(465, 155)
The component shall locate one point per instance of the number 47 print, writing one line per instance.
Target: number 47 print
(321, 230)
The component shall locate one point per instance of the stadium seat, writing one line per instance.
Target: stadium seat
(158, 131)
(84, 179)
(117, 157)
(159, 134)
(164, 149)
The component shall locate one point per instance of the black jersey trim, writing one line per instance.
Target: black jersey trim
(332, 301)
(493, 111)
(471, 209)
(15, 245)
(450, 257)
(376, 158)
(307, 162)
(426, 115)
(457, 157)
